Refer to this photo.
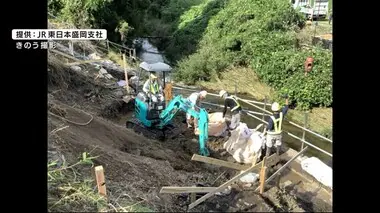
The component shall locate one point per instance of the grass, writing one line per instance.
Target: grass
(320, 119)
(115, 57)
(71, 189)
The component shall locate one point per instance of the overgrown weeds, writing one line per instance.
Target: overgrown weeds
(71, 188)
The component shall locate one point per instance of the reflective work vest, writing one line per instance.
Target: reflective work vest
(277, 123)
(236, 102)
(154, 88)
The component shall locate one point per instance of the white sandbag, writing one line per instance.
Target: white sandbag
(318, 170)
(244, 150)
(216, 124)
(244, 131)
(256, 142)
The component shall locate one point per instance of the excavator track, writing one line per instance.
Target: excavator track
(155, 134)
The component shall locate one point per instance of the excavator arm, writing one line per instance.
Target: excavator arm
(179, 103)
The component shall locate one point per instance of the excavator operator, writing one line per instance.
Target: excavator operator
(153, 89)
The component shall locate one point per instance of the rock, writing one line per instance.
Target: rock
(118, 93)
(249, 178)
(223, 153)
(194, 140)
(247, 204)
(247, 185)
(217, 206)
(226, 191)
(76, 68)
(103, 71)
(109, 76)
(94, 56)
(287, 183)
(198, 176)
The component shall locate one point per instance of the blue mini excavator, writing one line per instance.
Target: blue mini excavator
(154, 120)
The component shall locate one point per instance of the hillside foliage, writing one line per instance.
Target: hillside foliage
(262, 35)
(208, 36)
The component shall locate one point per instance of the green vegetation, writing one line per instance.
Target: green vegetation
(263, 37)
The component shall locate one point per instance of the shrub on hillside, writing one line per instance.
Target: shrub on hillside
(261, 34)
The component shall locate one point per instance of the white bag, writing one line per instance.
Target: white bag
(319, 170)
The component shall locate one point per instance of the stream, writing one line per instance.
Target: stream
(150, 54)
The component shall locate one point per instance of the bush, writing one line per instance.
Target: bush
(260, 34)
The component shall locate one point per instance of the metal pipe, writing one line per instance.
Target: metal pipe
(308, 143)
(269, 112)
(258, 118)
(216, 95)
(221, 106)
(309, 131)
(284, 166)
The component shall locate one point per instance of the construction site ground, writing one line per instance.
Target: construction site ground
(137, 167)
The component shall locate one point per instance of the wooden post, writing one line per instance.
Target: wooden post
(126, 73)
(168, 92)
(100, 180)
(263, 175)
(193, 196)
(71, 47)
(108, 45)
(134, 53)
(303, 133)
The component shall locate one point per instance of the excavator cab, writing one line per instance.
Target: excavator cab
(147, 111)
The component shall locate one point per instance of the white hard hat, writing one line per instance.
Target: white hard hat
(203, 93)
(153, 76)
(222, 92)
(275, 107)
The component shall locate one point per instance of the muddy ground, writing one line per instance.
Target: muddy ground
(135, 165)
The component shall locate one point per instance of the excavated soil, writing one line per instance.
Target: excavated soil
(135, 166)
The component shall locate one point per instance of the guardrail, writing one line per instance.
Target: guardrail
(268, 113)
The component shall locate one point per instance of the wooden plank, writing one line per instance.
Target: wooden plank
(263, 175)
(100, 180)
(85, 62)
(222, 187)
(191, 189)
(218, 162)
(271, 160)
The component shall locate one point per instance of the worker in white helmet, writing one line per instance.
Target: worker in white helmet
(274, 132)
(195, 100)
(153, 89)
(231, 102)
